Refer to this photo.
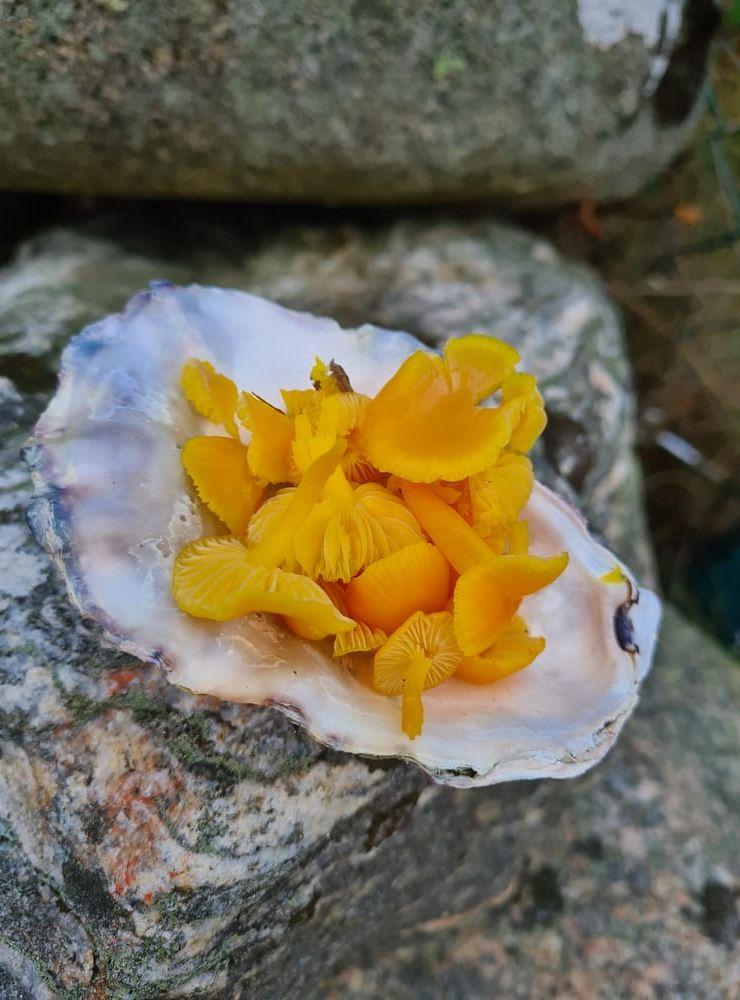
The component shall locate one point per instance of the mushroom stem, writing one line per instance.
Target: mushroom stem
(339, 489)
(274, 545)
(412, 709)
(449, 531)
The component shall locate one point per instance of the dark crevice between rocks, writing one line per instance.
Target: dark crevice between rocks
(28, 373)
(546, 899)
(720, 920)
(384, 824)
(591, 846)
(567, 449)
(679, 86)
(303, 914)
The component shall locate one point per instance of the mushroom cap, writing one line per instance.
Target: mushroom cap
(415, 578)
(443, 435)
(220, 473)
(421, 636)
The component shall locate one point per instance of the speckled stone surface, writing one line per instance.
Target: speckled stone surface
(377, 100)
(155, 844)
(630, 890)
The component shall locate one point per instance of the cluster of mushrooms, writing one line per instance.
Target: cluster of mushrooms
(390, 526)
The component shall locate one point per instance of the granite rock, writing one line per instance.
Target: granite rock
(630, 891)
(157, 844)
(540, 100)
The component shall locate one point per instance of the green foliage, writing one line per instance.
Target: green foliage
(732, 14)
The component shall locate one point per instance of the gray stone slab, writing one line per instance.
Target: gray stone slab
(374, 101)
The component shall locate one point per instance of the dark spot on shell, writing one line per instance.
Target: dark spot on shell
(163, 660)
(160, 285)
(623, 629)
(463, 772)
(679, 86)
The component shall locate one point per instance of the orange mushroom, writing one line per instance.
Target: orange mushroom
(212, 395)
(498, 494)
(341, 554)
(349, 528)
(361, 639)
(220, 473)
(420, 654)
(220, 578)
(512, 650)
(521, 399)
(416, 578)
(272, 437)
(425, 423)
(488, 595)
(450, 532)
(215, 578)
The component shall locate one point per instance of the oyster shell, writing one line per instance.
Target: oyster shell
(113, 508)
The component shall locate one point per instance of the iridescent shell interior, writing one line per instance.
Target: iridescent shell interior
(113, 507)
